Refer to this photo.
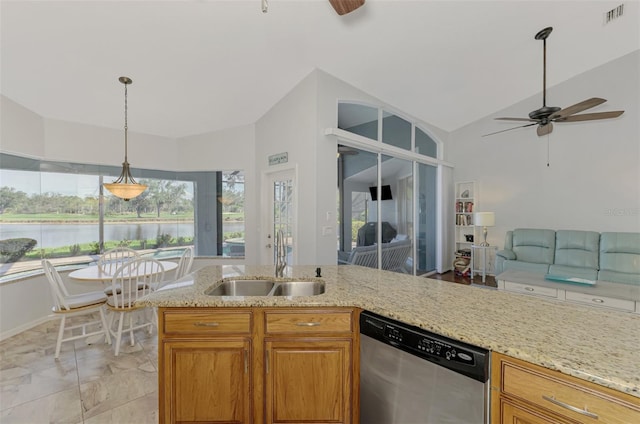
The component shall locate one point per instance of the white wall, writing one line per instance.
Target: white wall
(290, 127)
(21, 131)
(593, 178)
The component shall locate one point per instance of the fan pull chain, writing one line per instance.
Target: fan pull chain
(547, 150)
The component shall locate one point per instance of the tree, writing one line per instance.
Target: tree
(10, 198)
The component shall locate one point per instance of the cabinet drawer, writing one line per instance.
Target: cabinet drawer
(566, 398)
(531, 289)
(308, 322)
(610, 302)
(213, 322)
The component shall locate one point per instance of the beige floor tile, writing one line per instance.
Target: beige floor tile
(61, 407)
(88, 384)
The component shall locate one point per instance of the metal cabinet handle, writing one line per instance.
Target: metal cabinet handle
(529, 288)
(308, 324)
(584, 411)
(206, 324)
(595, 299)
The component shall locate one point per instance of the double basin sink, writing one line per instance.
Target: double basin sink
(239, 287)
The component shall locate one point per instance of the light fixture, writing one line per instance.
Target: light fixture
(484, 219)
(125, 187)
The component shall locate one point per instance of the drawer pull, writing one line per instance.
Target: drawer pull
(206, 324)
(595, 299)
(553, 400)
(529, 288)
(307, 324)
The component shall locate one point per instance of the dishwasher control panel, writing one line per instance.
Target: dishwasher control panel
(424, 345)
(456, 355)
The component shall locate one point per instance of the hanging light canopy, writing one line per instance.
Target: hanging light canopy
(125, 187)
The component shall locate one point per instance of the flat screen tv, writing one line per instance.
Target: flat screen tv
(386, 192)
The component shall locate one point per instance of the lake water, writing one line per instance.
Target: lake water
(55, 235)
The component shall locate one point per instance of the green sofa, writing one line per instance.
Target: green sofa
(609, 256)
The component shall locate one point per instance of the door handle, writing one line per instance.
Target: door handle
(268, 246)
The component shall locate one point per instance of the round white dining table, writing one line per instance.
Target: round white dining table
(95, 273)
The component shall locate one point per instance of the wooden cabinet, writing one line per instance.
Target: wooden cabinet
(309, 366)
(207, 381)
(245, 365)
(525, 393)
(204, 359)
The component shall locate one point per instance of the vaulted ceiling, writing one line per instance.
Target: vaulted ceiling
(205, 65)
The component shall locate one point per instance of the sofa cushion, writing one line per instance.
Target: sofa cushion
(577, 249)
(526, 266)
(620, 257)
(534, 245)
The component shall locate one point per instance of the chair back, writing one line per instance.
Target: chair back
(58, 290)
(185, 263)
(112, 259)
(133, 280)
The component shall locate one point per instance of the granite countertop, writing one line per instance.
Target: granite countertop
(590, 343)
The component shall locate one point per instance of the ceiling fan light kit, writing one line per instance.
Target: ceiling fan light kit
(546, 115)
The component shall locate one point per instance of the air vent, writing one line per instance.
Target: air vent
(613, 14)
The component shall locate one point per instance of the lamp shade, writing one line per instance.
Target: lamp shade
(484, 219)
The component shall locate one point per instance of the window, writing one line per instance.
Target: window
(60, 210)
(406, 216)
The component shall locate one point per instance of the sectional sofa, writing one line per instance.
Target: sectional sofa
(608, 256)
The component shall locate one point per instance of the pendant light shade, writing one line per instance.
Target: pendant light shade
(125, 187)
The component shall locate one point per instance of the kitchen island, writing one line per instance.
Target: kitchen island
(591, 344)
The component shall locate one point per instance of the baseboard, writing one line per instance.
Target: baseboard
(14, 331)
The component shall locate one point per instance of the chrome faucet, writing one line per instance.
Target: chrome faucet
(281, 261)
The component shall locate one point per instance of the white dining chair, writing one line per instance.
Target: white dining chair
(67, 305)
(112, 259)
(184, 267)
(130, 282)
(185, 263)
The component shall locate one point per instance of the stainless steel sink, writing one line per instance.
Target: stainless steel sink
(266, 288)
(242, 288)
(298, 288)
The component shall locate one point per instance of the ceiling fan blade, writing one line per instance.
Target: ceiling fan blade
(516, 119)
(509, 129)
(343, 7)
(544, 129)
(591, 116)
(578, 107)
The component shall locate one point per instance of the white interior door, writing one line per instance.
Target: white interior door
(280, 191)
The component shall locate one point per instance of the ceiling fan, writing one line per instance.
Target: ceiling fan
(547, 115)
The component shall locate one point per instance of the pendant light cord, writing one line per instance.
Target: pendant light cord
(126, 127)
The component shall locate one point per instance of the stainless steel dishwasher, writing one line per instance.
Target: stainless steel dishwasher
(412, 376)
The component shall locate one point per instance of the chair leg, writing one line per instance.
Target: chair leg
(63, 320)
(133, 342)
(105, 327)
(119, 335)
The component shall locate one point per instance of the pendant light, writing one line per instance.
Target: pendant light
(125, 187)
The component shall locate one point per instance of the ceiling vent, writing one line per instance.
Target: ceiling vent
(613, 14)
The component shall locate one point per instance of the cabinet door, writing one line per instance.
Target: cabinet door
(206, 381)
(515, 414)
(308, 381)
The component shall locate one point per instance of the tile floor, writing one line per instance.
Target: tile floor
(87, 384)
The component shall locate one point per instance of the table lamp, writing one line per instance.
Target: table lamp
(484, 220)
